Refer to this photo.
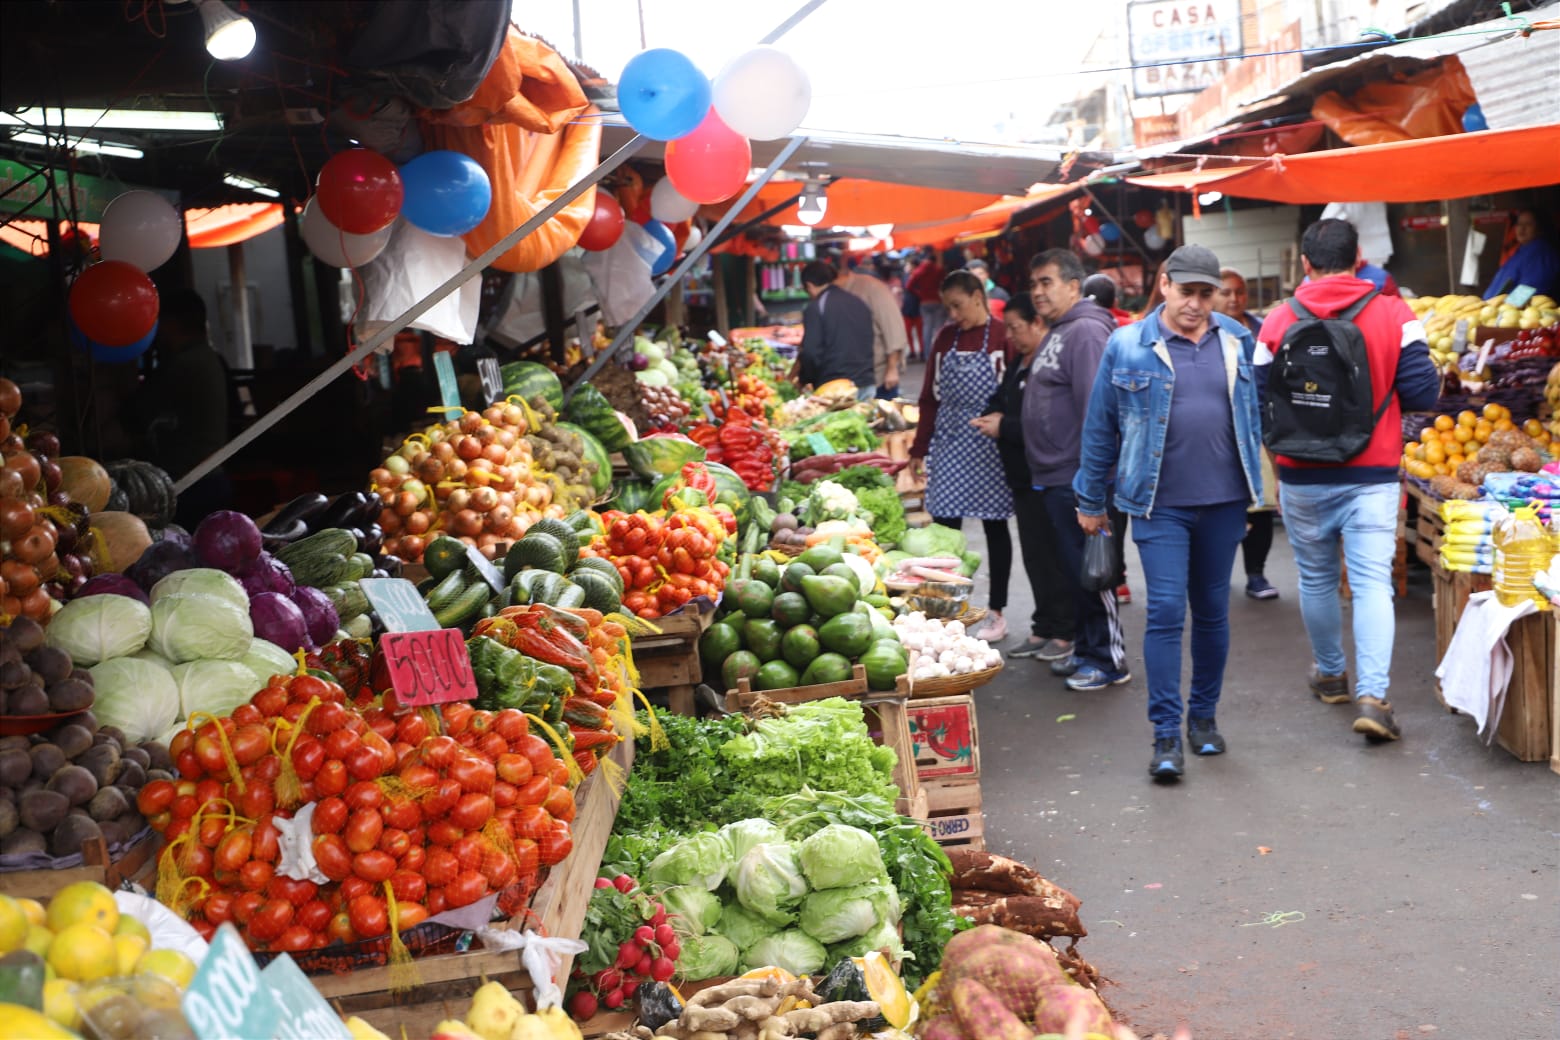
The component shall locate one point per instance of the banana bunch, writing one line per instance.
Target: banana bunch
(1440, 315)
(496, 1015)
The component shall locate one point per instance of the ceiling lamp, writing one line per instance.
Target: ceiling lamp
(813, 204)
(229, 35)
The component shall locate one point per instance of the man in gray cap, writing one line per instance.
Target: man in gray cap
(1173, 415)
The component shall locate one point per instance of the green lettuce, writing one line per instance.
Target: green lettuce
(697, 907)
(838, 856)
(769, 882)
(703, 860)
(708, 957)
(844, 913)
(933, 540)
(794, 950)
(742, 926)
(744, 834)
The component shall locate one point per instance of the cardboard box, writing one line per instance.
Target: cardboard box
(946, 741)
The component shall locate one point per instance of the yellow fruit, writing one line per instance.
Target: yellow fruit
(170, 964)
(1505, 424)
(1532, 427)
(85, 902)
(34, 911)
(129, 949)
(38, 940)
(130, 926)
(1444, 422)
(1492, 412)
(1464, 434)
(1467, 418)
(23, 1023)
(59, 1003)
(13, 924)
(1435, 454)
(1455, 460)
(1428, 435)
(1482, 431)
(83, 952)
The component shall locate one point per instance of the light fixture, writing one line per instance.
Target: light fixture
(115, 119)
(813, 204)
(248, 185)
(229, 35)
(81, 144)
(1208, 198)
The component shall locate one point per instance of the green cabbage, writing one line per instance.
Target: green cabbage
(700, 860)
(96, 628)
(202, 581)
(884, 937)
(707, 957)
(794, 950)
(198, 626)
(844, 913)
(839, 856)
(267, 659)
(148, 654)
(137, 696)
(742, 926)
(214, 687)
(698, 908)
(769, 882)
(744, 834)
(932, 540)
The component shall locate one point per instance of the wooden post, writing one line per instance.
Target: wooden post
(243, 353)
(718, 290)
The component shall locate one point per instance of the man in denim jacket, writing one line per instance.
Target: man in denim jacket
(1174, 414)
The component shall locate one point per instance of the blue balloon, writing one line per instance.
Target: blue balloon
(663, 235)
(447, 193)
(662, 94)
(1473, 118)
(111, 355)
(1110, 232)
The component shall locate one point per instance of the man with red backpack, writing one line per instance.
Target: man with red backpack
(1336, 367)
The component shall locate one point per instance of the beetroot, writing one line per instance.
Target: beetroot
(112, 585)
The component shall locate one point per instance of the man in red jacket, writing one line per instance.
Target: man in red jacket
(1355, 502)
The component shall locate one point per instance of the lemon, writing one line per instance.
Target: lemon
(129, 949)
(83, 952)
(23, 1023)
(38, 940)
(85, 902)
(169, 964)
(130, 926)
(13, 924)
(154, 991)
(59, 1003)
(34, 911)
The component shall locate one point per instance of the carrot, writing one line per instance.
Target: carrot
(589, 616)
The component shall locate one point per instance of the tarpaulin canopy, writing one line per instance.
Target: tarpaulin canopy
(207, 228)
(1426, 170)
(984, 221)
(854, 202)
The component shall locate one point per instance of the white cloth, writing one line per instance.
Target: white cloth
(1370, 220)
(1477, 666)
(413, 265)
(621, 275)
(541, 956)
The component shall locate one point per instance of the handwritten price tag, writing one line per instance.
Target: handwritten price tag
(227, 1000)
(399, 605)
(305, 1016)
(492, 379)
(449, 386)
(429, 667)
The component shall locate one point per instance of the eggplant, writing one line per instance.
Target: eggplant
(344, 511)
(369, 538)
(370, 511)
(391, 565)
(304, 507)
(274, 537)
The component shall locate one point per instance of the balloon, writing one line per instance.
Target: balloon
(1143, 218)
(762, 94)
(1093, 245)
(667, 206)
(1153, 239)
(663, 235)
(140, 228)
(1110, 232)
(359, 191)
(695, 236)
(447, 193)
(605, 226)
(1473, 118)
(711, 164)
(662, 94)
(114, 303)
(337, 248)
(679, 232)
(111, 355)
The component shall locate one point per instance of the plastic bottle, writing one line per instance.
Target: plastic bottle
(1522, 549)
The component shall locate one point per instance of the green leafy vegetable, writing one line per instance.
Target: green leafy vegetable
(708, 957)
(888, 513)
(703, 859)
(861, 478)
(697, 908)
(932, 540)
(839, 856)
(846, 431)
(794, 950)
(769, 882)
(742, 926)
(844, 913)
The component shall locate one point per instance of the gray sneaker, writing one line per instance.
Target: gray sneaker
(1330, 689)
(1375, 720)
(1043, 649)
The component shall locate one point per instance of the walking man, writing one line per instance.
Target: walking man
(1337, 464)
(836, 335)
(889, 342)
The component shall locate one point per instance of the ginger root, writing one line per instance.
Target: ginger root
(817, 1019)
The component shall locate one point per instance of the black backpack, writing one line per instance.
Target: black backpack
(1320, 405)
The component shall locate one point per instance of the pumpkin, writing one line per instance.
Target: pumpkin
(85, 481)
(121, 539)
(148, 490)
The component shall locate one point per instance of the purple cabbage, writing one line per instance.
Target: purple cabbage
(319, 612)
(112, 585)
(266, 574)
(173, 533)
(158, 561)
(228, 541)
(278, 620)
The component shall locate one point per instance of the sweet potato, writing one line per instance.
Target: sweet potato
(983, 1015)
(943, 1027)
(1071, 1007)
(1012, 966)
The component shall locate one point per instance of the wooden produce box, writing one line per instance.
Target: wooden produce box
(1524, 728)
(1429, 528)
(1554, 694)
(954, 816)
(448, 980)
(138, 864)
(1450, 592)
(945, 739)
(896, 446)
(669, 659)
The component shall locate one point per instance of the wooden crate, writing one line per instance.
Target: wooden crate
(1554, 693)
(1524, 728)
(946, 741)
(896, 446)
(954, 817)
(669, 660)
(448, 980)
(138, 864)
(1429, 529)
(744, 696)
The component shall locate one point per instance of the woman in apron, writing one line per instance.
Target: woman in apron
(964, 476)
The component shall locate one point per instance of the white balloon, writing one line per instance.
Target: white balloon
(668, 205)
(1153, 239)
(695, 236)
(762, 94)
(140, 228)
(336, 247)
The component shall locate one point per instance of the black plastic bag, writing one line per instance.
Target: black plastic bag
(1099, 561)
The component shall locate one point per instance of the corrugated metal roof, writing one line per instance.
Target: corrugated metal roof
(1517, 81)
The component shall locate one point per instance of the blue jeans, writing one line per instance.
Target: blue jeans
(1364, 518)
(1187, 555)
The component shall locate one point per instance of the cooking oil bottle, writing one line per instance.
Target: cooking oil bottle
(1522, 549)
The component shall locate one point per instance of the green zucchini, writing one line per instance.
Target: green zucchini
(446, 591)
(464, 608)
(321, 559)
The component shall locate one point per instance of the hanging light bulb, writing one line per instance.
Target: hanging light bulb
(229, 35)
(811, 207)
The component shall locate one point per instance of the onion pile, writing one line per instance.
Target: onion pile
(665, 405)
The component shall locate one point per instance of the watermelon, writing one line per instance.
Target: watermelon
(662, 455)
(634, 495)
(595, 452)
(588, 408)
(731, 490)
(527, 379)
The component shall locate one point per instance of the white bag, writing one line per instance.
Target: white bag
(413, 265)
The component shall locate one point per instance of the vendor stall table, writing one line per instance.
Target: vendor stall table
(138, 864)
(669, 659)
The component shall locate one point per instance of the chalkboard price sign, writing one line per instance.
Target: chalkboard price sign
(227, 999)
(399, 605)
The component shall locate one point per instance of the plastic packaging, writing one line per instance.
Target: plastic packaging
(1522, 549)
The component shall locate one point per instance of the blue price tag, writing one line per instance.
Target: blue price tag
(227, 1000)
(1520, 296)
(399, 605)
(305, 1014)
(449, 388)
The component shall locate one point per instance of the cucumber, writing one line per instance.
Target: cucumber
(464, 608)
(446, 591)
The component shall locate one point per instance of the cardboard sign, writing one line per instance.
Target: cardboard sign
(483, 566)
(305, 1014)
(399, 605)
(429, 667)
(227, 1000)
(492, 379)
(449, 387)
(1520, 296)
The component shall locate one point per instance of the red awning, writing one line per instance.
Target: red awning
(987, 220)
(854, 202)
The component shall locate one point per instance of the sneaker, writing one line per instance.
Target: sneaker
(1204, 737)
(1088, 677)
(1258, 587)
(1123, 595)
(1043, 649)
(1375, 720)
(993, 629)
(1065, 666)
(1168, 762)
(1329, 689)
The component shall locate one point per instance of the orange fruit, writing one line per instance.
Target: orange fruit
(1464, 434)
(83, 952)
(1493, 412)
(1444, 422)
(1505, 424)
(1428, 435)
(84, 902)
(1482, 431)
(1467, 418)
(1435, 454)
(1533, 428)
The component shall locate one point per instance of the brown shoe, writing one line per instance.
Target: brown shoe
(1330, 689)
(1375, 720)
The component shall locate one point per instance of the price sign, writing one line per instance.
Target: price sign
(227, 1000)
(492, 379)
(305, 1015)
(1520, 296)
(819, 444)
(483, 566)
(399, 605)
(449, 388)
(429, 667)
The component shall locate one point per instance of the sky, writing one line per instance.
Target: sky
(976, 70)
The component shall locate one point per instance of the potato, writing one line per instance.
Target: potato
(74, 783)
(158, 753)
(983, 1015)
(138, 755)
(943, 1027)
(1070, 1007)
(21, 842)
(102, 761)
(131, 774)
(47, 759)
(15, 767)
(42, 811)
(52, 663)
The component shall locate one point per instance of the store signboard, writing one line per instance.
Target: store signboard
(1275, 65)
(1182, 46)
(24, 187)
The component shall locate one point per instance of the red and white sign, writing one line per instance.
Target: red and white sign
(1182, 46)
(428, 667)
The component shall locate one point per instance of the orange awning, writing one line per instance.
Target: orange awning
(985, 221)
(207, 228)
(854, 202)
(1428, 170)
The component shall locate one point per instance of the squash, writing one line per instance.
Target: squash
(148, 490)
(85, 481)
(121, 539)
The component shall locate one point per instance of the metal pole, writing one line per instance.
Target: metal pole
(791, 22)
(404, 319)
(243, 336)
(627, 330)
(1119, 227)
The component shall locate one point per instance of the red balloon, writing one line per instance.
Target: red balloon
(711, 164)
(113, 303)
(605, 226)
(360, 191)
(679, 232)
(1143, 219)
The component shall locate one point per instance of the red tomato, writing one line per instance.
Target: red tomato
(313, 915)
(528, 859)
(155, 797)
(466, 889)
(537, 751)
(250, 743)
(382, 746)
(258, 799)
(440, 867)
(332, 778)
(330, 815)
(373, 865)
(418, 776)
(209, 791)
(410, 915)
(363, 830)
(255, 875)
(560, 804)
(245, 904)
(340, 928)
(532, 821)
(446, 793)
(270, 701)
(218, 907)
(364, 794)
(294, 711)
(445, 832)
(295, 891)
(402, 813)
(271, 920)
(490, 745)
(380, 722)
(367, 916)
(293, 939)
(511, 724)
(472, 811)
(268, 769)
(555, 845)
(457, 717)
(408, 887)
(439, 752)
(558, 772)
(247, 714)
(304, 688)
(505, 794)
(535, 790)
(415, 857)
(212, 830)
(267, 841)
(470, 850)
(326, 719)
(473, 774)
(342, 742)
(233, 850)
(412, 729)
(332, 856)
(500, 871)
(513, 768)
(437, 903)
(395, 841)
(307, 757)
(183, 807)
(353, 887)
